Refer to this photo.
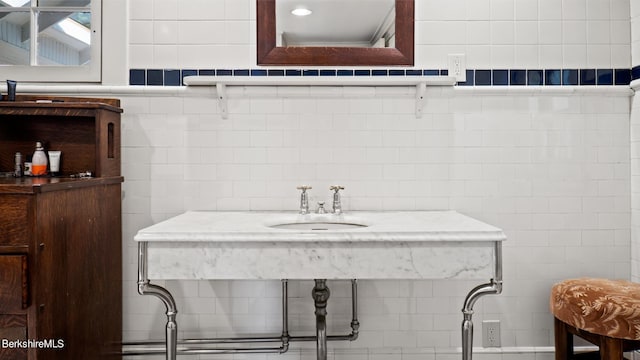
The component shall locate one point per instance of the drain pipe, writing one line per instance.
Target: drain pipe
(187, 346)
(355, 324)
(285, 317)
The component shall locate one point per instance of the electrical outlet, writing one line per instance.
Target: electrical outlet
(491, 333)
(457, 67)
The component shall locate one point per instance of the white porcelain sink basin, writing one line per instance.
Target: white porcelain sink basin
(318, 226)
(317, 222)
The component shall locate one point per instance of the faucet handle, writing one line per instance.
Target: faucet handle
(304, 199)
(337, 204)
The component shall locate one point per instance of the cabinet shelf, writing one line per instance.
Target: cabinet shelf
(87, 131)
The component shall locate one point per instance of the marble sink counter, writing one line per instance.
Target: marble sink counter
(250, 226)
(393, 245)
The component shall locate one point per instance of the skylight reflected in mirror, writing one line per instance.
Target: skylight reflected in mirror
(331, 23)
(76, 30)
(60, 28)
(63, 38)
(14, 3)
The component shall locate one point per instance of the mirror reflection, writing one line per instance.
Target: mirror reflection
(336, 23)
(63, 36)
(284, 49)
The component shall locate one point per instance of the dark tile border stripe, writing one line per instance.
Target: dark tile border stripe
(477, 77)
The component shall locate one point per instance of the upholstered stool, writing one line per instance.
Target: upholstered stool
(604, 312)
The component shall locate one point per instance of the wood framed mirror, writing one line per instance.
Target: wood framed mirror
(269, 53)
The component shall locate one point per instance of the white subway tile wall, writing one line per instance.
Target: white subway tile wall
(635, 151)
(543, 34)
(559, 172)
(551, 170)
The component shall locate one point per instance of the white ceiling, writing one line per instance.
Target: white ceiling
(332, 22)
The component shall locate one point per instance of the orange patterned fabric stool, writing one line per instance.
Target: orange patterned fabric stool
(604, 312)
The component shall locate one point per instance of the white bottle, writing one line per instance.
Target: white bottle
(39, 161)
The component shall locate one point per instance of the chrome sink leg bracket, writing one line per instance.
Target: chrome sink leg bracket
(320, 296)
(146, 288)
(493, 287)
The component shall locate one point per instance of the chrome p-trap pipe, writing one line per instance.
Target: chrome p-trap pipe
(320, 294)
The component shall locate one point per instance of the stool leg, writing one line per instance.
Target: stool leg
(563, 340)
(610, 349)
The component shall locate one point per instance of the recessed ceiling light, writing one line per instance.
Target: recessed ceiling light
(301, 12)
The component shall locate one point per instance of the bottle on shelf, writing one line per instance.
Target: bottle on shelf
(39, 161)
(17, 172)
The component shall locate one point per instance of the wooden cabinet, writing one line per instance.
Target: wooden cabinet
(61, 237)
